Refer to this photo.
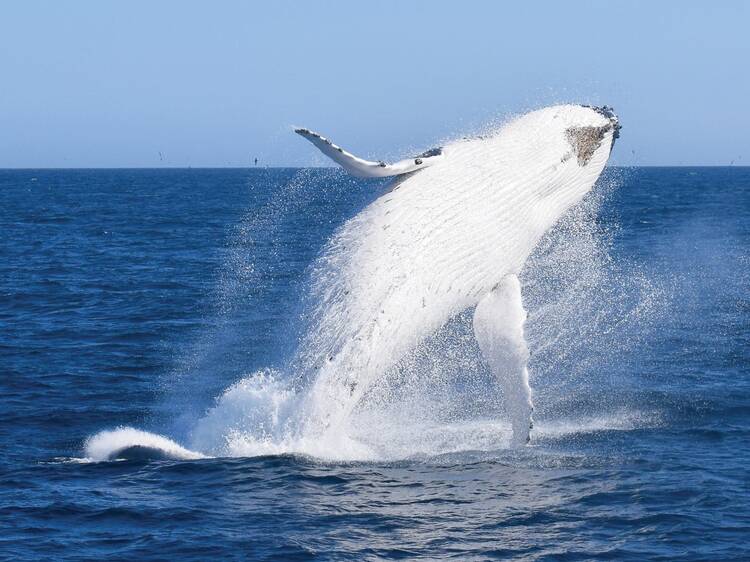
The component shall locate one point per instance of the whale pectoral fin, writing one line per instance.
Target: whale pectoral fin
(365, 168)
(499, 329)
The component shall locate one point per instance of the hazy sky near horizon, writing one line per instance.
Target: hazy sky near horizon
(112, 84)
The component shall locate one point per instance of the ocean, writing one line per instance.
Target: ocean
(170, 301)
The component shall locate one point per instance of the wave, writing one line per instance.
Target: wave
(130, 443)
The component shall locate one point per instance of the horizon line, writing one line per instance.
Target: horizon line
(51, 168)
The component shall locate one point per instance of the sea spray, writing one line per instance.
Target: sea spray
(269, 241)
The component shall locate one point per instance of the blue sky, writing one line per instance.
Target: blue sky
(111, 84)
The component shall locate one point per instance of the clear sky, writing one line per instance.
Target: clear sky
(112, 84)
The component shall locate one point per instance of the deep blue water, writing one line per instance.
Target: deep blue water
(134, 297)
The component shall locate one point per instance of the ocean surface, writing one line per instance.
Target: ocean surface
(168, 301)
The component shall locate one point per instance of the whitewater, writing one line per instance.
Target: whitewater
(413, 326)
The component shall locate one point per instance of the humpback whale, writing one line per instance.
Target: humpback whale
(452, 231)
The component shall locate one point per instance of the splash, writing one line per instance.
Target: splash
(130, 443)
(388, 366)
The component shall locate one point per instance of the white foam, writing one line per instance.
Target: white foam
(623, 420)
(261, 415)
(106, 445)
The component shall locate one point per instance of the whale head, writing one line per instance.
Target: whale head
(587, 137)
(567, 148)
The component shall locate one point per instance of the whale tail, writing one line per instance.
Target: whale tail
(365, 168)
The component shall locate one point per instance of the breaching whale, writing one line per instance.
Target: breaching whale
(452, 231)
(449, 233)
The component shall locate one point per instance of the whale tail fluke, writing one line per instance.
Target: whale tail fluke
(366, 168)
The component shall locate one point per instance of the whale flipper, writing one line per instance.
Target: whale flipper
(498, 327)
(365, 168)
